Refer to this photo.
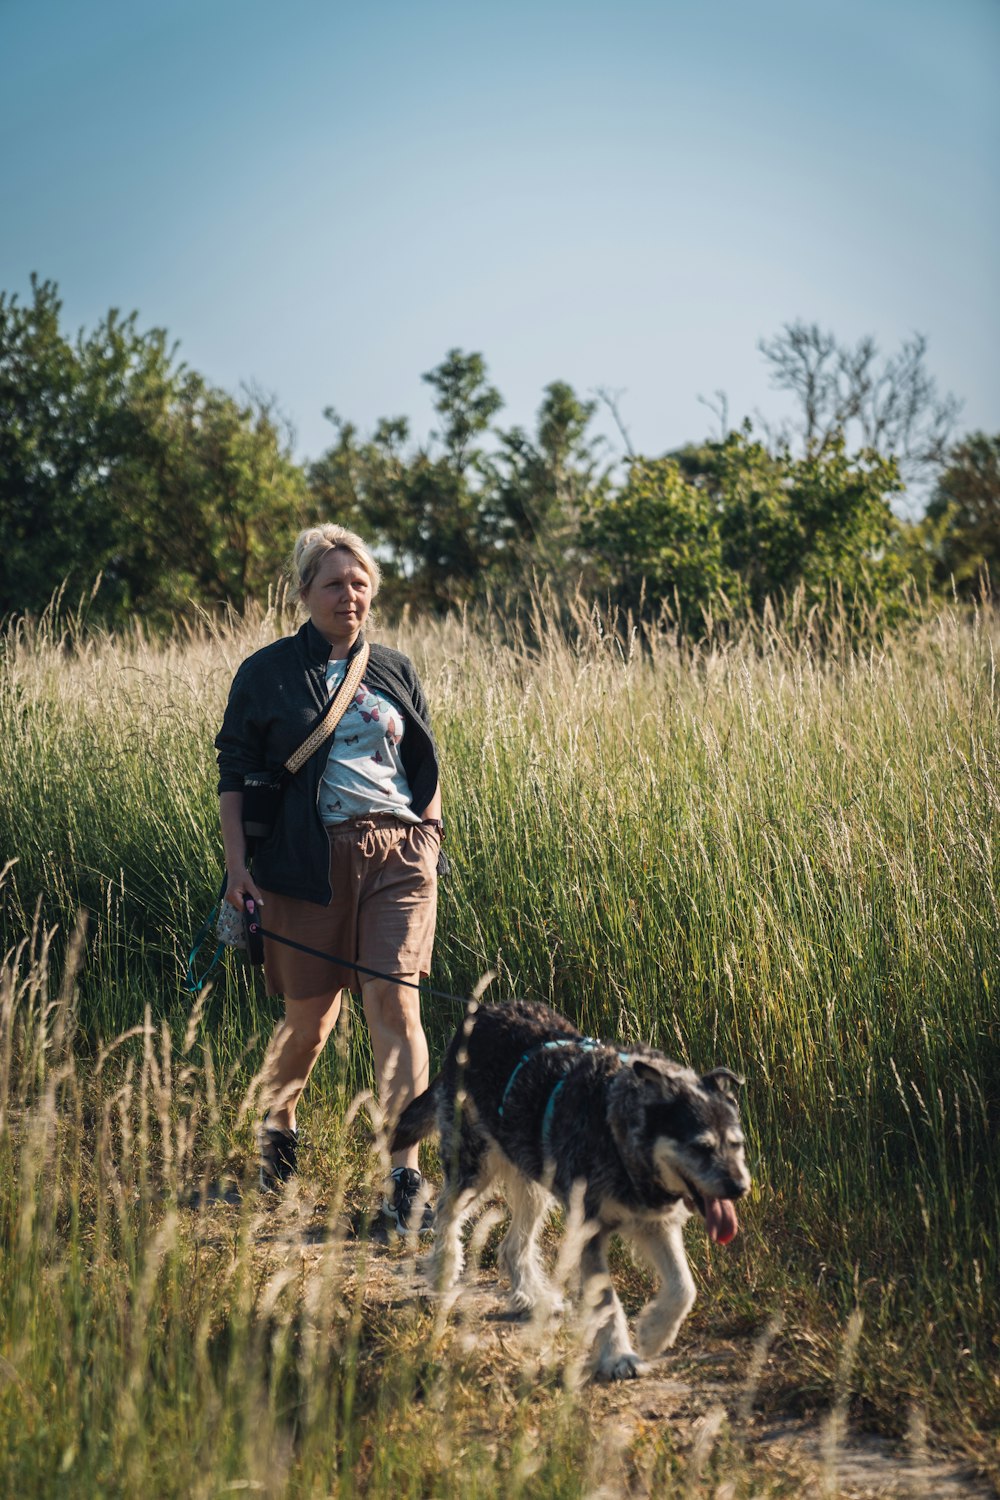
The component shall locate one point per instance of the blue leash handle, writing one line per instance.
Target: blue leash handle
(194, 984)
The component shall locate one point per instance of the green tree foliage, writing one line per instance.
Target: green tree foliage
(966, 502)
(466, 404)
(730, 525)
(454, 519)
(362, 485)
(424, 511)
(538, 487)
(116, 460)
(657, 539)
(222, 503)
(69, 429)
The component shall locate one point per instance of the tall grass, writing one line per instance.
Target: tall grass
(158, 1338)
(757, 852)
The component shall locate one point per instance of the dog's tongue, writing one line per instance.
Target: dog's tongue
(720, 1220)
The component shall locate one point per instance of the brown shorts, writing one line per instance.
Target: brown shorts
(383, 873)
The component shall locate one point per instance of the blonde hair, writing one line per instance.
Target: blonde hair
(312, 545)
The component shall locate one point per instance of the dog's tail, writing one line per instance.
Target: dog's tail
(418, 1119)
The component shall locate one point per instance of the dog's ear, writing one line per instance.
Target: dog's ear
(723, 1080)
(651, 1070)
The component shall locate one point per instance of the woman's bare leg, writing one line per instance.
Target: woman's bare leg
(297, 1043)
(399, 1048)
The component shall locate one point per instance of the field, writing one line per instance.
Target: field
(776, 852)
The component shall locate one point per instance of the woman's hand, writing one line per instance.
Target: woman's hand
(240, 885)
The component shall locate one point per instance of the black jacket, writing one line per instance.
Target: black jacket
(276, 697)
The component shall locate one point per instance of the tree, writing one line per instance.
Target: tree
(448, 537)
(454, 519)
(362, 485)
(538, 488)
(730, 525)
(114, 459)
(815, 523)
(659, 538)
(70, 423)
(966, 503)
(466, 403)
(890, 404)
(213, 503)
(425, 512)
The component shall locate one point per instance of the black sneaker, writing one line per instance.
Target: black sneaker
(399, 1209)
(277, 1150)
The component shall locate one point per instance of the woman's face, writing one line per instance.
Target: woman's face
(339, 597)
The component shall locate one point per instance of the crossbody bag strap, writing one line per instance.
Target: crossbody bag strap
(333, 713)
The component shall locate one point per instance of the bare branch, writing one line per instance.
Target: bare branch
(611, 400)
(893, 402)
(719, 407)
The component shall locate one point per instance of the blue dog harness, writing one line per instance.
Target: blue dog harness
(585, 1044)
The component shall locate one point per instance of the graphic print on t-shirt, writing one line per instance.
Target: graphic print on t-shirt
(364, 771)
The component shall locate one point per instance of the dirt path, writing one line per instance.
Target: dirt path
(705, 1393)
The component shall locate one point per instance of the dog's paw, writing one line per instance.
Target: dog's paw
(621, 1367)
(523, 1303)
(656, 1331)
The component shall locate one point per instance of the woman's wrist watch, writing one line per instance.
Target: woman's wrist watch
(437, 823)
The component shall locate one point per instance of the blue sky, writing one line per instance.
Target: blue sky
(323, 199)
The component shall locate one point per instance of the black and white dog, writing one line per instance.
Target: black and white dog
(524, 1100)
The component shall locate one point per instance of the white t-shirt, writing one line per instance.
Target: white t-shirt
(364, 771)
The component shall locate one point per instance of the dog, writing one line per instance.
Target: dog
(523, 1099)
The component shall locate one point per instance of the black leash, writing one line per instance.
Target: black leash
(346, 963)
(195, 985)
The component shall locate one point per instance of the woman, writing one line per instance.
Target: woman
(350, 867)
